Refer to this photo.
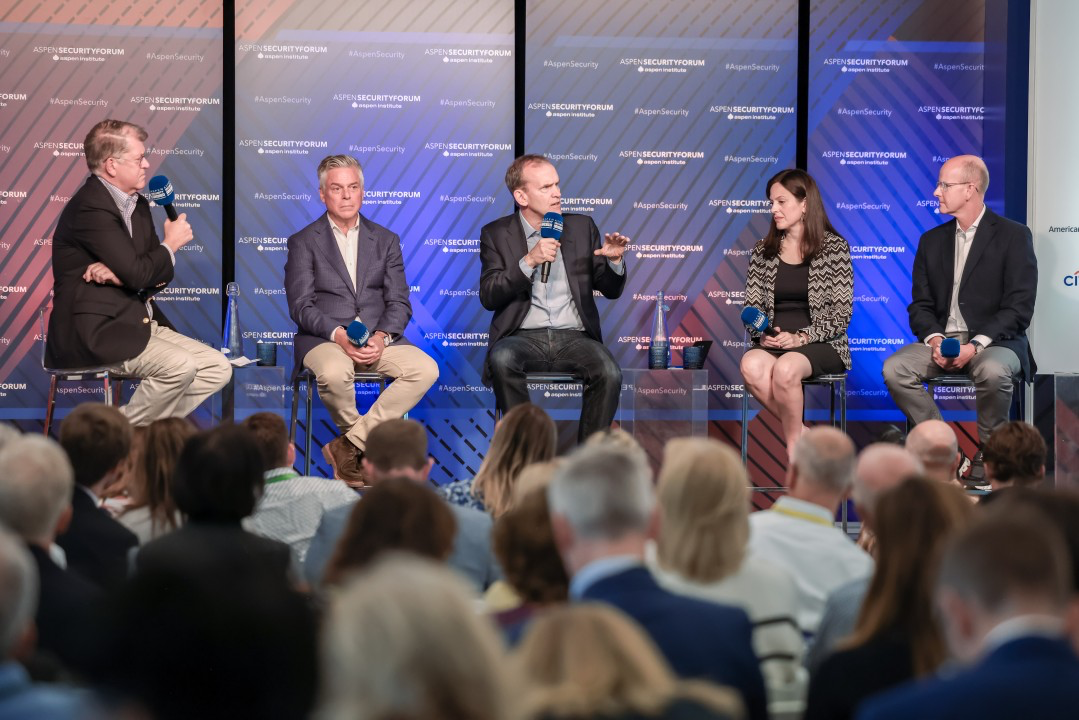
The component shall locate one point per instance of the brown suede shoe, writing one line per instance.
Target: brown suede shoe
(344, 458)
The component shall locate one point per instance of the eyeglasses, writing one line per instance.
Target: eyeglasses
(943, 186)
(145, 157)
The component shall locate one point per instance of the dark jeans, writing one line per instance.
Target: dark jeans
(558, 351)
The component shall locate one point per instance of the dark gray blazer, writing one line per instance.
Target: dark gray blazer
(320, 293)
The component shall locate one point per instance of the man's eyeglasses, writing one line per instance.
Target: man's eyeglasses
(943, 186)
(137, 160)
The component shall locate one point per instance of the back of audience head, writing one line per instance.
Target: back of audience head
(523, 542)
(823, 466)
(525, 435)
(934, 443)
(914, 521)
(219, 476)
(97, 438)
(1060, 508)
(1014, 455)
(36, 483)
(404, 641)
(397, 448)
(396, 514)
(617, 439)
(157, 449)
(1010, 563)
(271, 434)
(536, 476)
(18, 597)
(880, 467)
(588, 660)
(7, 434)
(703, 509)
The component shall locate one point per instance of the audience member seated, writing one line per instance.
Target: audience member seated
(36, 483)
(799, 534)
(591, 661)
(701, 552)
(880, 467)
(934, 443)
(292, 506)
(897, 636)
(396, 514)
(97, 439)
(602, 513)
(525, 435)
(217, 484)
(19, 698)
(398, 449)
(207, 633)
(151, 511)
(403, 641)
(526, 551)
(1014, 455)
(1004, 595)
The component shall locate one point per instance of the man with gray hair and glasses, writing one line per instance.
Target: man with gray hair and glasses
(974, 281)
(603, 510)
(799, 533)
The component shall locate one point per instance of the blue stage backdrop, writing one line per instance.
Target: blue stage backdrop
(63, 69)
(424, 100)
(665, 121)
(896, 88)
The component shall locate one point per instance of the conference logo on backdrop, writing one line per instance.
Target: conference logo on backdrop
(742, 159)
(6, 291)
(572, 157)
(7, 387)
(185, 201)
(474, 55)
(875, 344)
(283, 51)
(174, 57)
(660, 205)
(867, 65)
(729, 297)
(166, 151)
(1072, 280)
(862, 207)
(85, 53)
(751, 67)
(480, 199)
(282, 197)
(377, 54)
(585, 204)
(934, 203)
(954, 112)
(664, 65)
(454, 245)
(390, 197)
(661, 157)
(279, 146)
(457, 339)
(641, 342)
(281, 337)
(458, 293)
(175, 103)
(959, 67)
(571, 110)
(550, 64)
(864, 112)
(60, 148)
(875, 252)
(882, 299)
(284, 100)
(179, 293)
(376, 101)
(5, 149)
(8, 99)
(9, 197)
(737, 206)
(468, 150)
(458, 103)
(752, 112)
(265, 243)
(79, 102)
(661, 112)
(864, 157)
(665, 251)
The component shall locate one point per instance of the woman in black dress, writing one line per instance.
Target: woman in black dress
(800, 276)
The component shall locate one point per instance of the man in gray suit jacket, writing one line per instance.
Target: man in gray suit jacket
(340, 268)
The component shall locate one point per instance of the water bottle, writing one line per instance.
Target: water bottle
(659, 348)
(232, 346)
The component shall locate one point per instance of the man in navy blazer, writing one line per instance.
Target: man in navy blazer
(340, 268)
(550, 323)
(602, 513)
(974, 279)
(1004, 593)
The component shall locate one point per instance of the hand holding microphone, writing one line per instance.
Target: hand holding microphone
(177, 230)
(356, 344)
(757, 321)
(550, 230)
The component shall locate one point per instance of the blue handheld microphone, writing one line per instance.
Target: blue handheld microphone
(357, 333)
(949, 347)
(551, 227)
(755, 319)
(162, 194)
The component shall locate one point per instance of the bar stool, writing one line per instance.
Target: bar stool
(306, 377)
(546, 378)
(837, 385)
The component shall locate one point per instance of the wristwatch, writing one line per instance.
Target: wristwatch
(978, 347)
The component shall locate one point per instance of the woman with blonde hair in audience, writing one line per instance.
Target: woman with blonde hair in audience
(155, 449)
(897, 637)
(589, 661)
(525, 435)
(403, 641)
(701, 552)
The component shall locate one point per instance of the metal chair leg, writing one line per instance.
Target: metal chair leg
(308, 430)
(50, 404)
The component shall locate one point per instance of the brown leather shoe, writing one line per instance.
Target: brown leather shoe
(344, 458)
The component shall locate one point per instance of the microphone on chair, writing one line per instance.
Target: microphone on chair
(551, 227)
(755, 319)
(357, 333)
(949, 348)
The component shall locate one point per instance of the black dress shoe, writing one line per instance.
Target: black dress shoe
(976, 476)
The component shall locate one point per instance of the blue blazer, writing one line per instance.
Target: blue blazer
(1030, 677)
(700, 639)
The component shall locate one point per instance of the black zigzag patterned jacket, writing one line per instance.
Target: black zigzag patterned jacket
(831, 292)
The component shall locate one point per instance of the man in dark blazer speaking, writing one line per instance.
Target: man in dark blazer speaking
(554, 325)
(974, 279)
(107, 263)
(340, 268)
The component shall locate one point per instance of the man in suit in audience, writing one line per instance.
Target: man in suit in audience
(398, 449)
(799, 532)
(934, 443)
(340, 268)
(602, 513)
(974, 279)
(36, 482)
(1004, 593)
(96, 439)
